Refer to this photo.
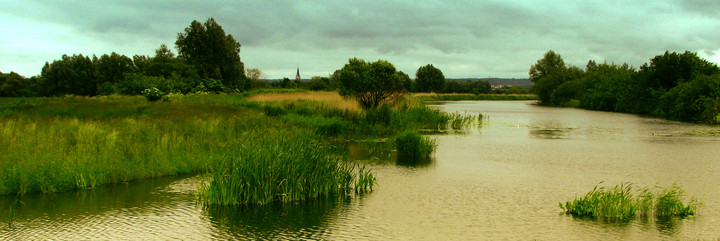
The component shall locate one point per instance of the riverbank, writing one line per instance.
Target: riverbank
(69, 143)
(453, 97)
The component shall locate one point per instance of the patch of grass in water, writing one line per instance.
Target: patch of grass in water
(282, 168)
(622, 202)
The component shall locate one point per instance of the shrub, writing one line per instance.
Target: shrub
(153, 94)
(410, 145)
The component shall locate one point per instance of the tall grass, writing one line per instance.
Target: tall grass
(282, 168)
(622, 202)
(66, 143)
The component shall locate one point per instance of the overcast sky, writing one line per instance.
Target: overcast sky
(462, 38)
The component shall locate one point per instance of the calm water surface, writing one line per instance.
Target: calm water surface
(501, 180)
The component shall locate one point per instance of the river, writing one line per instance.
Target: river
(500, 180)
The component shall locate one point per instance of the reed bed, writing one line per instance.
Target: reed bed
(290, 167)
(623, 202)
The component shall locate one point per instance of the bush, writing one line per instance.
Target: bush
(380, 115)
(153, 94)
(410, 145)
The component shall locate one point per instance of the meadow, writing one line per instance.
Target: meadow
(257, 148)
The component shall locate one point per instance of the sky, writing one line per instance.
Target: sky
(464, 39)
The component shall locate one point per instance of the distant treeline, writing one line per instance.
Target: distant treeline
(208, 61)
(678, 86)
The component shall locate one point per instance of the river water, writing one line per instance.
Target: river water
(500, 180)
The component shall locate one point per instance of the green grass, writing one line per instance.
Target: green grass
(622, 203)
(284, 168)
(255, 152)
(456, 97)
(411, 146)
(69, 143)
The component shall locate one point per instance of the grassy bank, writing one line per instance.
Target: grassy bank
(454, 97)
(68, 143)
(58, 144)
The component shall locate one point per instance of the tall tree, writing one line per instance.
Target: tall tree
(547, 74)
(70, 75)
(429, 79)
(214, 54)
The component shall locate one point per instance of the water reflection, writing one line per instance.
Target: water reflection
(303, 220)
(88, 214)
(382, 153)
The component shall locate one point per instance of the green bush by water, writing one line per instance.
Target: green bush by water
(622, 202)
(410, 145)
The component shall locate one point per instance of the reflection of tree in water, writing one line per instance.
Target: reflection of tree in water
(304, 220)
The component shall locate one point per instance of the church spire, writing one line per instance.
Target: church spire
(297, 76)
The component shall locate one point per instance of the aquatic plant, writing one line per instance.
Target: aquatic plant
(283, 168)
(410, 145)
(621, 203)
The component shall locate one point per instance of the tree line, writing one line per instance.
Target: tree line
(208, 61)
(677, 86)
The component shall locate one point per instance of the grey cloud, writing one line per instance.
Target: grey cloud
(498, 38)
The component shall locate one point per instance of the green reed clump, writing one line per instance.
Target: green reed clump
(410, 145)
(621, 203)
(282, 168)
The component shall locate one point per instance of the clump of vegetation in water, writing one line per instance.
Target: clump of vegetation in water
(621, 203)
(282, 169)
(410, 145)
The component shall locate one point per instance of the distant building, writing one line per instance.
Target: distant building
(297, 76)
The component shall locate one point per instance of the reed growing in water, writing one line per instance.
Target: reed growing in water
(622, 202)
(282, 167)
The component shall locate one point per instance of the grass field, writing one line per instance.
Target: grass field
(70, 143)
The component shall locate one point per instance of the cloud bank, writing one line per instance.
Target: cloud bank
(462, 38)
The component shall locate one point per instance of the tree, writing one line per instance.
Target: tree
(369, 83)
(111, 69)
(429, 79)
(547, 74)
(254, 77)
(70, 75)
(214, 54)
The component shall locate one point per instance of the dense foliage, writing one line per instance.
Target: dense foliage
(214, 54)
(209, 61)
(429, 79)
(679, 86)
(370, 83)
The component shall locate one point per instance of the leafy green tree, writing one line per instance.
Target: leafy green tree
(70, 75)
(407, 83)
(670, 69)
(608, 88)
(16, 85)
(429, 79)
(696, 100)
(369, 83)
(214, 54)
(548, 74)
(111, 69)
